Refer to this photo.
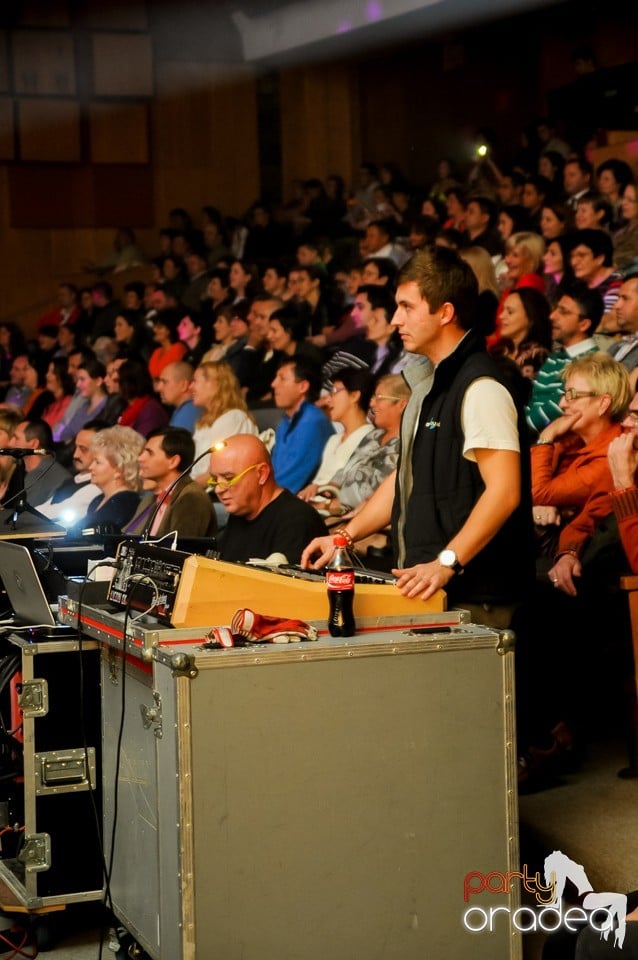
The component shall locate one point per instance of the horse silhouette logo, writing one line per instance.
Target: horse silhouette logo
(559, 868)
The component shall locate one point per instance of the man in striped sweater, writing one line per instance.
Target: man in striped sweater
(574, 319)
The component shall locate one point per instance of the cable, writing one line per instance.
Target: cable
(17, 949)
(96, 813)
(171, 533)
(118, 757)
(143, 579)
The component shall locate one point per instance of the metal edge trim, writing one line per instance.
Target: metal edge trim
(186, 834)
(511, 806)
(290, 653)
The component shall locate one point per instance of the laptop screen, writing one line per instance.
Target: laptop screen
(22, 584)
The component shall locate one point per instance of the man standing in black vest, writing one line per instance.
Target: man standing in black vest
(460, 502)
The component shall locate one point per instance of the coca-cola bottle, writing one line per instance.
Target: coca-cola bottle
(340, 586)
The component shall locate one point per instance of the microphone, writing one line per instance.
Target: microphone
(149, 523)
(19, 452)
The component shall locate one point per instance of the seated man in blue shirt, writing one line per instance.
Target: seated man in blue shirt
(304, 428)
(175, 391)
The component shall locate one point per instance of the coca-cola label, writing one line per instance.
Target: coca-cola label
(340, 579)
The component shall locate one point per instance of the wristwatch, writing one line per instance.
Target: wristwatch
(448, 558)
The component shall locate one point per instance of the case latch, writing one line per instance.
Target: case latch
(36, 852)
(33, 698)
(152, 716)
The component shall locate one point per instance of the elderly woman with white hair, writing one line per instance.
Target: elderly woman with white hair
(115, 470)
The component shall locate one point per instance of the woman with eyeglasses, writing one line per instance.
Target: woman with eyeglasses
(370, 454)
(347, 405)
(571, 612)
(571, 480)
(216, 389)
(377, 455)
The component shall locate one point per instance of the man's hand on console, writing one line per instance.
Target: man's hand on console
(324, 547)
(423, 580)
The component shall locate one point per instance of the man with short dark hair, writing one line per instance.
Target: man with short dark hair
(43, 473)
(592, 259)
(381, 348)
(263, 517)
(105, 311)
(67, 310)
(195, 292)
(574, 318)
(175, 391)
(510, 187)
(71, 499)
(186, 508)
(316, 300)
(274, 279)
(459, 501)
(480, 225)
(378, 242)
(304, 428)
(18, 392)
(381, 271)
(577, 179)
(256, 364)
(625, 350)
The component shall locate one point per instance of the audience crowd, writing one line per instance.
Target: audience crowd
(276, 329)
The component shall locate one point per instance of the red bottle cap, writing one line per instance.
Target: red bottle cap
(339, 541)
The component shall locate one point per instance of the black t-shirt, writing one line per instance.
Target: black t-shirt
(286, 525)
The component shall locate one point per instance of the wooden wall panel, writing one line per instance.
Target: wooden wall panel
(64, 196)
(45, 13)
(49, 130)
(4, 61)
(123, 195)
(205, 138)
(319, 111)
(43, 62)
(119, 133)
(50, 197)
(128, 15)
(7, 121)
(122, 65)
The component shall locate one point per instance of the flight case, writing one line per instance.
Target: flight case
(310, 800)
(50, 849)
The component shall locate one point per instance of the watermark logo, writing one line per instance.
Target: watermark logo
(604, 912)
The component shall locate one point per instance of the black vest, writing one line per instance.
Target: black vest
(445, 487)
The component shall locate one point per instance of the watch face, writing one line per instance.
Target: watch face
(447, 558)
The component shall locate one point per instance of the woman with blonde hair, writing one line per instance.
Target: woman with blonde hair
(115, 470)
(524, 258)
(216, 389)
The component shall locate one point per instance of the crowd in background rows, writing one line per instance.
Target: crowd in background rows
(310, 284)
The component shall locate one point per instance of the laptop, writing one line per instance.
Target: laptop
(24, 590)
